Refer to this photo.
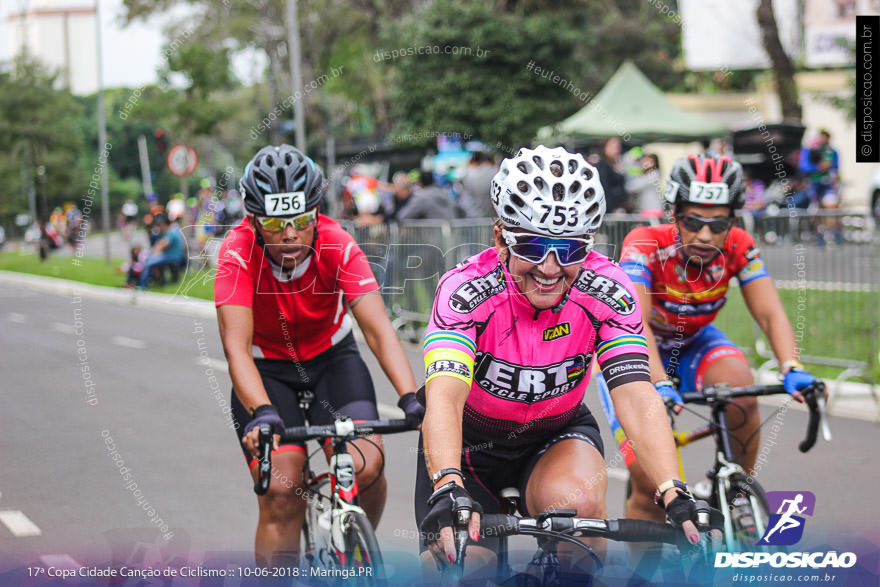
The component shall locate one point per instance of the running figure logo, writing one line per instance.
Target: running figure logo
(786, 526)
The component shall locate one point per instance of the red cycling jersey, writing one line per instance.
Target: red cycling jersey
(686, 297)
(299, 316)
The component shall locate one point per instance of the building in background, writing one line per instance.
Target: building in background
(61, 34)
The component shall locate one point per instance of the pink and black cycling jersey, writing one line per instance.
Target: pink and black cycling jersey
(528, 369)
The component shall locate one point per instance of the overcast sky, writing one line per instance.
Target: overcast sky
(131, 54)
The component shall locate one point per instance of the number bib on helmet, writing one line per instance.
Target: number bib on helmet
(709, 193)
(286, 204)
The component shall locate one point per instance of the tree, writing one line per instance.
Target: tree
(41, 140)
(783, 68)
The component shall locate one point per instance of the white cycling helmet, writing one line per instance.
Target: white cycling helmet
(550, 192)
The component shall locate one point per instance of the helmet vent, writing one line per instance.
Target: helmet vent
(522, 167)
(539, 183)
(509, 210)
(522, 186)
(588, 174)
(558, 191)
(517, 201)
(572, 165)
(539, 162)
(556, 169)
(575, 187)
(590, 192)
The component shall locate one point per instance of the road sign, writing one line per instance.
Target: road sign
(182, 160)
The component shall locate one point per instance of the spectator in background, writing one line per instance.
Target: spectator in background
(800, 197)
(401, 190)
(428, 202)
(821, 165)
(477, 180)
(134, 267)
(611, 176)
(168, 252)
(644, 189)
(129, 219)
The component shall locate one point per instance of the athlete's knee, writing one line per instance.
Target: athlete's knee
(581, 495)
(371, 475)
(283, 501)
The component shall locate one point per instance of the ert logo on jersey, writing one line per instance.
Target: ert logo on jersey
(606, 290)
(474, 292)
(529, 384)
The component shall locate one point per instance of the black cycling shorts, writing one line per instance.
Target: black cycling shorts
(488, 468)
(338, 378)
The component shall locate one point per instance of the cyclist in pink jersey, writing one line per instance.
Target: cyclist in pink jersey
(288, 279)
(508, 353)
(681, 273)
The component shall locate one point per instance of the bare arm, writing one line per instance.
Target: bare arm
(369, 311)
(236, 332)
(766, 308)
(658, 373)
(642, 415)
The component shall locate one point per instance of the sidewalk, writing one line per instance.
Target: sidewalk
(849, 399)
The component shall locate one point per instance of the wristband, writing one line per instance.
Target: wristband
(666, 486)
(443, 472)
(789, 365)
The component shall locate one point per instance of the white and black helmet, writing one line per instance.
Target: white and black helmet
(281, 181)
(550, 192)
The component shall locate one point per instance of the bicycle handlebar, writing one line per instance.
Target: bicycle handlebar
(621, 530)
(345, 429)
(341, 429)
(721, 393)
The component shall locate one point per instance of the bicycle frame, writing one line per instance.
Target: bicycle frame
(724, 467)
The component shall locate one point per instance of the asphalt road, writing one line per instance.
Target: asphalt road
(154, 399)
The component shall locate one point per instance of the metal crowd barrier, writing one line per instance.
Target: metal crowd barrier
(830, 290)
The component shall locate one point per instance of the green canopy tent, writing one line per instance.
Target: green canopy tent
(632, 107)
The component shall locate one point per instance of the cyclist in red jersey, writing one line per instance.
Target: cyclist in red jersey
(287, 277)
(681, 273)
(508, 354)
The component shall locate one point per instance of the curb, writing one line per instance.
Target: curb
(168, 303)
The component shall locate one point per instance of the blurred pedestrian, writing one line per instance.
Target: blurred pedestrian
(169, 252)
(476, 183)
(644, 189)
(611, 175)
(428, 201)
(820, 162)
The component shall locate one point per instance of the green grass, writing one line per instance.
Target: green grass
(94, 271)
(833, 324)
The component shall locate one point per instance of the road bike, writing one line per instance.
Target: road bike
(728, 488)
(560, 525)
(338, 540)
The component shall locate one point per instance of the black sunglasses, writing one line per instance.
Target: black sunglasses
(696, 223)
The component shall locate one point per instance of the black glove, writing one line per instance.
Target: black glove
(265, 414)
(415, 412)
(444, 504)
(684, 507)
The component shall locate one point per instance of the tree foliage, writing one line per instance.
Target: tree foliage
(41, 139)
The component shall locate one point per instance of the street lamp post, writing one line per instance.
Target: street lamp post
(102, 138)
(296, 73)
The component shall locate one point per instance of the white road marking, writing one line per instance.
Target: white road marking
(619, 474)
(60, 561)
(217, 364)
(18, 523)
(132, 343)
(16, 317)
(62, 327)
